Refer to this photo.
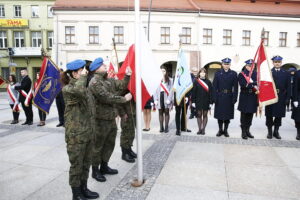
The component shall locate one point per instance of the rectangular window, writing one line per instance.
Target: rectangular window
(17, 11)
(186, 35)
(246, 38)
(119, 34)
(3, 39)
(207, 36)
(266, 38)
(36, 39)
(34, 11)
(298, 39)
(50, 39)
(2, 11)
(94, 34)
(5, 72)
(227, 34)
(50, 13)
(70, 35)
(165, 35)
(282, 39)
(19, 39)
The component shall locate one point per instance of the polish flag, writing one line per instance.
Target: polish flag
(113, 65)
(150, 72)
(266, 86)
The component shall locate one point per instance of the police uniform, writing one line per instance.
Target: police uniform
(295, 104)
(247, 100)
(78, 131)
(225, 85)
(275, 112)
(104, 90)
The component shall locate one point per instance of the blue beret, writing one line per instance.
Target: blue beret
(76, 64)
(226, 60)
(96, 64)
(277, 58)
(249, 62)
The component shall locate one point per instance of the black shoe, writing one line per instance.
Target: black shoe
(276, 133)
(166, 130)
(26, 122)
(226, 133)
(298, 134)
(41, 124)
(126, 157)
(244, 134)
(220, 133)
(202, 132)
(29, 123)
(97, 175)
(249, 135)
(87, 193)
(105, 169)
(161, 129)
(178, 132)
(77, 195)
(146, 129)
(60, 124)
(269, 136)
(14, 122)
(132, 153)
(199, 132)
(191, 117)
(186, 130)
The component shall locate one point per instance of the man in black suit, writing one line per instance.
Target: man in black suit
(25, 96)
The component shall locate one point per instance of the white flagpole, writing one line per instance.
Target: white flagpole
(138, 92)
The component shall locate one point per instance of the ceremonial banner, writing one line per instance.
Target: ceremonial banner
(48, 86)
(2, 81)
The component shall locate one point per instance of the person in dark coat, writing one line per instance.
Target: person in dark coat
(201, 99)
(295, 104)
(248, 99)
(225, 93)
(194, 75)
(292, 71)
(26, 91)
(275, 112)
(180, 116)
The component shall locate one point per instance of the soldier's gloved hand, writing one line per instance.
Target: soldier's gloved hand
(193, 105)
(296, 103)
(156, 103)
(128, 71)
(168, 102)
(186, 99)
(152, 104)
(128, 97)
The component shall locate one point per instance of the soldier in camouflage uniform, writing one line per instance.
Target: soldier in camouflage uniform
(127, 114)
(105, 93)
(79, 128)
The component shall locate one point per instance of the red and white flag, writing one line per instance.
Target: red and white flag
(113, 65)
(266, 86)
(150, 72)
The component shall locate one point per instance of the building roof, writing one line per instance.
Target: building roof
(289, 8)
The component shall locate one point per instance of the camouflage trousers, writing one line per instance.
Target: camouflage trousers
(80, 155)
(128, 131)
(105, 139)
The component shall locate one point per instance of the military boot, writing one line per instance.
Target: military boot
(132, 153)
(269, 136)
(77, 195)
(97, 175)
(249, 135)
(86, 192)
(220, 132)
(105, 169)
(126, 156)
(244, 134)
(298, 134)
(276, 133)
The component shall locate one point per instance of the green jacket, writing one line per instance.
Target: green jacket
(105, 92)
(79, 116)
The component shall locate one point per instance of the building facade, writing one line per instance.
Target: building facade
(26, 33)
(208, 30)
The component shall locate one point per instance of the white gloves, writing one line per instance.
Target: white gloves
(186, 99)
(193, 105)
(151, 104)
(296, 103)
(128, 97)
(168, 102)
(128, 71)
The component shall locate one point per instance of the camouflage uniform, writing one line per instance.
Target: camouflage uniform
(104, 91)
(78, 129)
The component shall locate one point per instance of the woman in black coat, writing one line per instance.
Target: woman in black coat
(202, 98)
(295, 105)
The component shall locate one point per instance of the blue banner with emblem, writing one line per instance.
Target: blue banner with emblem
(48, 85)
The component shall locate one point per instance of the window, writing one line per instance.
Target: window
(18, 73)
(2, 11)
(34, 11)
(5, 72)
(3, 39)
(50, 13)
(298, 39)
(246, 38)
(70, 35)
(19, 39)
(50, 39)
(207, 36)
(119, 34)
(94, 34)
(282, 39)
(186, 35)
(266, 38)
(227, 34)
(165, 35)
(36, 39)
(17, 11)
